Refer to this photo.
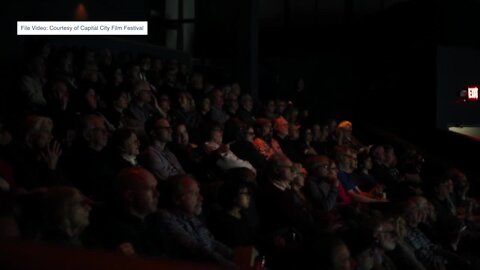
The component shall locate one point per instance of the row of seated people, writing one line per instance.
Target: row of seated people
(269, 179)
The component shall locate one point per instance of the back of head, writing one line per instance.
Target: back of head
(128, 179)
(55, 206)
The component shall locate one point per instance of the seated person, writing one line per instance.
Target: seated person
(183, 233)
(346, 159)
(124, 226)
(227, 159)
(232, 226)
(66, 213)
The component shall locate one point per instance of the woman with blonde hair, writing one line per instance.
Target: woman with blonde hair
(36, 164)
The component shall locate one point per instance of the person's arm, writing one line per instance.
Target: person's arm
(263, 148)
(182, 238)
(358, 197)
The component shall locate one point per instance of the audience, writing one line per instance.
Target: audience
(78, 137)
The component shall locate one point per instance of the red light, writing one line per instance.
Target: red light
(473, 93)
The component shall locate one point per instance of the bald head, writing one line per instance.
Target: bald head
(186, 195)
(281, 168)
(137, 189)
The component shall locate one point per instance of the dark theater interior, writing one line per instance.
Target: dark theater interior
(240, 134)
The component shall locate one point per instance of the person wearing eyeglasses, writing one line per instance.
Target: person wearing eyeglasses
(232, 226)
(157, 158)
(141, 107)
(284, 222)
(347, 158)
(320, 188)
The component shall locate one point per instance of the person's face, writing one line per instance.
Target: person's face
(270, 106)
(366, 259)
(317, 131)
(325, 131)
(61, 92)
(299, 180)
(145, 194)
(233, 105)
(267, 130)
(135, 73)
(98, 136)
(293, 132)
(353, 161)
(171, 77)
(91, 98)
(191, 199)
(146, 63)
(450, 186)
(380, 154)
(132, 145)
(341, 258)
(368, 163)
(386, 237)
(281, 127)
(333, 172)
(308, 135)
(43, 137)
(332, 125)
(285, 170)
(92, 74)
(183, 102)
(323, 168)
(205, 105)
(217, 136)
(244, 198)
(163, 131)
(79, 211)
(280, 106)
(182, 137)
(390, 158)
(122, 101)
(443, 189)
(413, 216)
(145, 94)
(247, 103)
(422, 206)
(250, 135)
(118, 76)
(164, 103)
(218, 98)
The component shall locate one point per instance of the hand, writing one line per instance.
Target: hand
(223, 149)
(333, 181)
(51, 155)
(126, 249)
(155, 103)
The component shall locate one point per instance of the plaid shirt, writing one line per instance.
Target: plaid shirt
(186, 237)
(424, 249)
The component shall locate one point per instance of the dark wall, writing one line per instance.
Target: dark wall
(457, 68)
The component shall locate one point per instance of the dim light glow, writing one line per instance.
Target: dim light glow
(470, 132)
(80, 13)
